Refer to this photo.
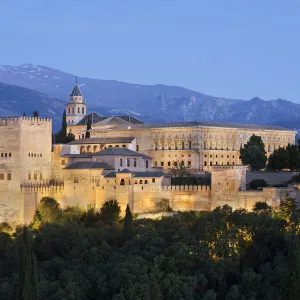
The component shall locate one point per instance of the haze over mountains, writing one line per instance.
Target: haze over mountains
(29, 87)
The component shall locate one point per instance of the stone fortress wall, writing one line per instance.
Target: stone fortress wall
(30, 170)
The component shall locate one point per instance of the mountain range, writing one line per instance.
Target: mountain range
(30, 87)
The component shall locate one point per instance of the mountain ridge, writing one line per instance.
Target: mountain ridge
(153, 102)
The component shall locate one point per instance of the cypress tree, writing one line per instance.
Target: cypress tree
(27, 284)
(64, 126)
(88, 127)
(127, 229)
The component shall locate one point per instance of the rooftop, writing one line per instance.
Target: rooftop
(112, 140)
(94, 117)
(137, 174)
(90, 165)
(76, 91)
(120, 151)
(205, 124)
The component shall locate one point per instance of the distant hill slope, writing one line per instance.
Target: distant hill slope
(151, 102)
(15, 100)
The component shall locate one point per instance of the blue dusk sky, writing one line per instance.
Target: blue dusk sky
(228, 48)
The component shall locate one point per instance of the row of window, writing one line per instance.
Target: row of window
(6, 154)
(78, 110)
(169, 163)
(122, 181)
(90, 149)
(217, 164)
(217, 156)
(34, 176)
(35, 155)
(2, 176)
(128, 162)
(169, 147)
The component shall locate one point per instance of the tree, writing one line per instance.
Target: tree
(294, 157)
(262, 207)
(291, 287)
(110, 212)
(178, 169)
(27, 283)
(127, 228)
(279, 159)
(48, 211)
(61, 136)
(253, 153)
(35, 114)
(88, 128)
(287, 206)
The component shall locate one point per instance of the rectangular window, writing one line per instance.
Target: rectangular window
(137, 147)
(153, 180)
(41, 176)
(29, 176)
(204, 145)
(189, 163)
(162, 163)
(121, 162)
(155, 164)
(190, 145)
(128, 162)
(83, 110)
(205, 163)
(8, 176)
(82, 135)
(76, 180)
(176, 146)
(63, 162)
(1, 176)
(182, 145)
(147, 164)
(34, 176)
(72, 110)
(78, 110)
(134, 162)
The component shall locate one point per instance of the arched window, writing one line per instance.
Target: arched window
(135, 182)
(122, 181)
(134, 162)
(69, 110)
(117, 146)
(72, 110)
(78, 110)
(88, 149)
(141, 181)
(82, 110)
(146, 181)
(124, 146)
(121, 162)
(95, 148)
(128, 162)
(109, 146)
(82, 149)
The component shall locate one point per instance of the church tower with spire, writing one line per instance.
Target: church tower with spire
(75, 107)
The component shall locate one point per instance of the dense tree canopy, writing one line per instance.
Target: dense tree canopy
(285, 158)
(223, 254)
(253, 153)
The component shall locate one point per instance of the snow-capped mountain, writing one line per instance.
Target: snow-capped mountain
(151, 102)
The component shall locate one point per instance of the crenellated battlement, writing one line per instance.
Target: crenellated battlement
(42, 185)
(36, 119)
(5, 121)
(190, 188)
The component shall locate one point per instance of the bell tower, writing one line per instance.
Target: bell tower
(75, 107)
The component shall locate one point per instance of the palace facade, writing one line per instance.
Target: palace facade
(126, 160)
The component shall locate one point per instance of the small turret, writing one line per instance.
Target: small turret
(76, 106)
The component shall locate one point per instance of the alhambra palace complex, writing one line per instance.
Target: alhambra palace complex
(127, 160)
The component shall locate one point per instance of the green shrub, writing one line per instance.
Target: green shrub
(257, 183)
